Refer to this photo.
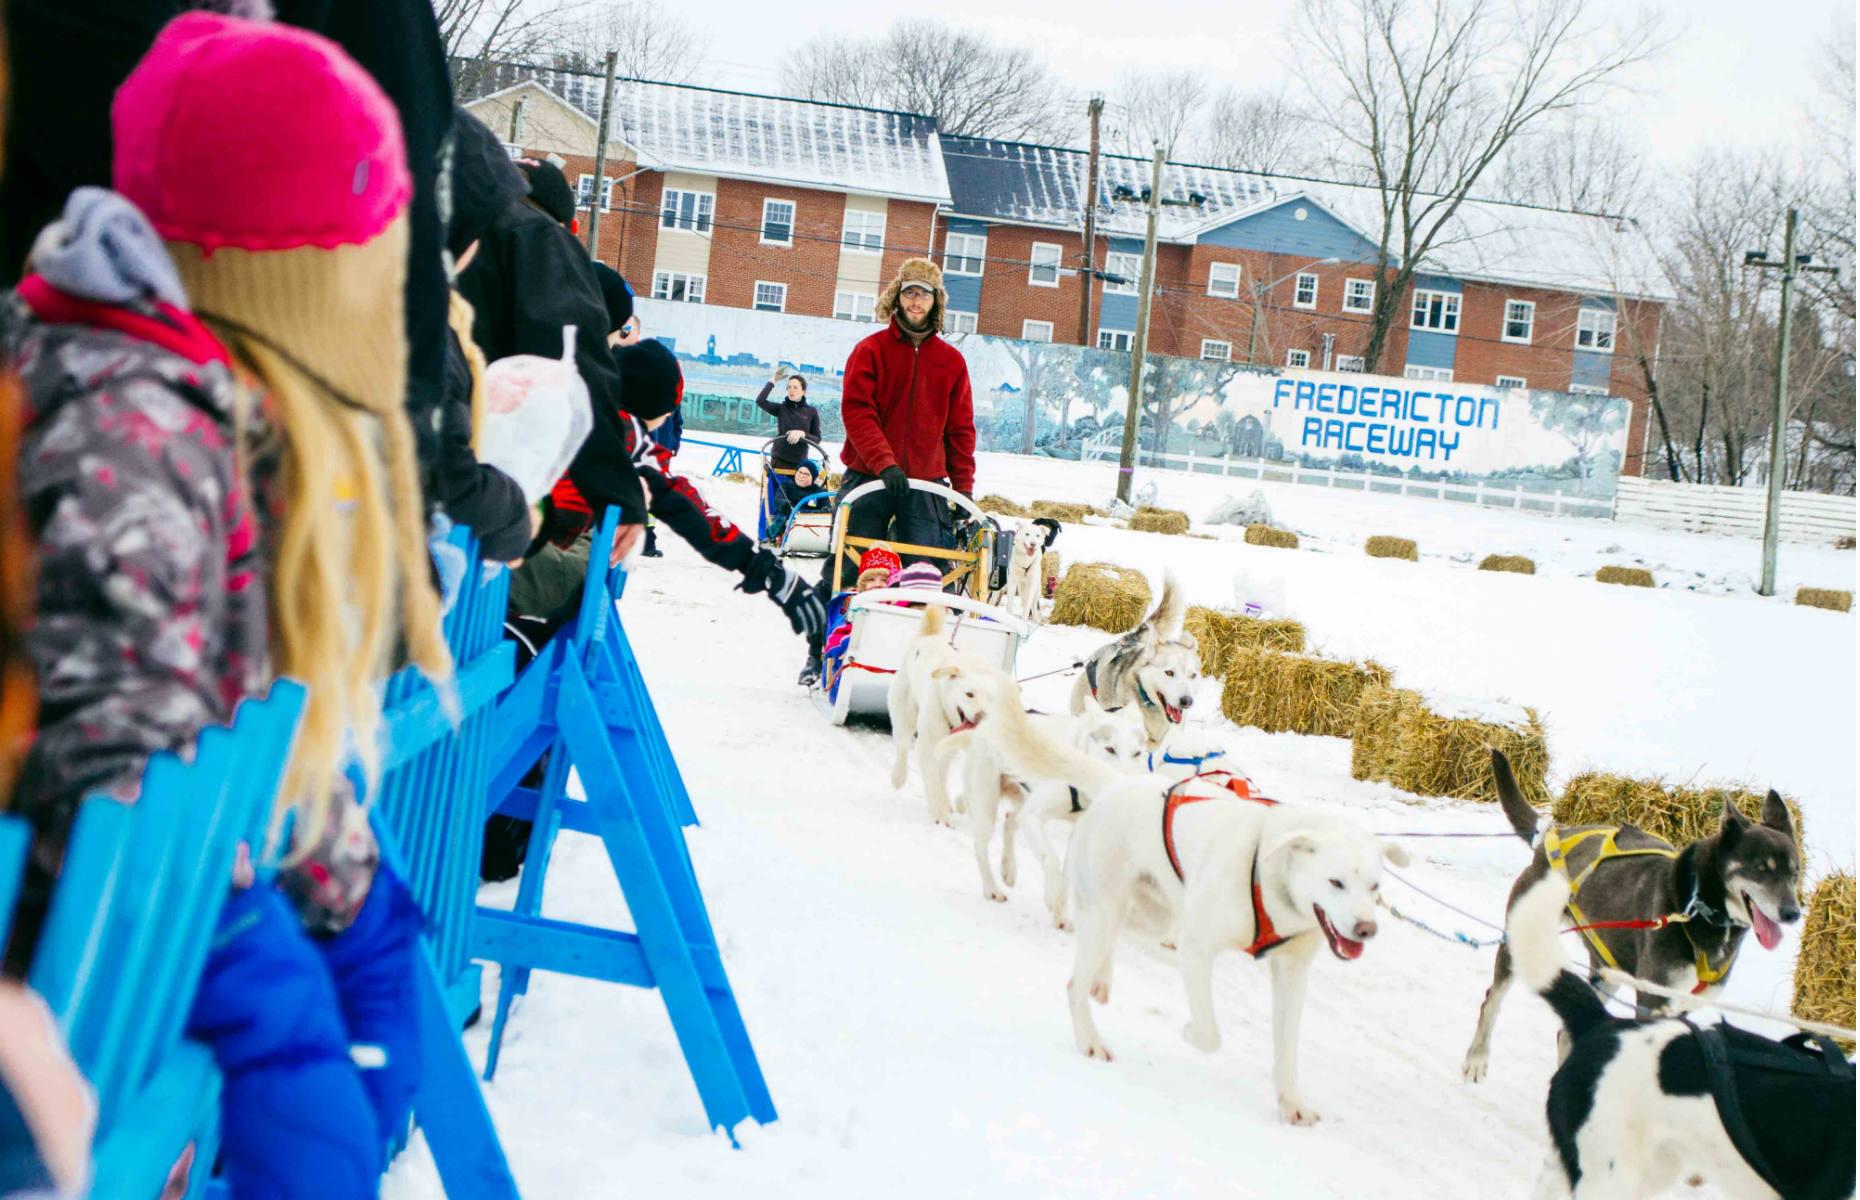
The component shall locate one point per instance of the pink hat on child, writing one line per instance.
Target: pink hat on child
(257, 136)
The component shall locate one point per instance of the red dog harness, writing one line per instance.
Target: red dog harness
(1265, 936)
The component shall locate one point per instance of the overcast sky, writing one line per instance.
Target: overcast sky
(1738, 72)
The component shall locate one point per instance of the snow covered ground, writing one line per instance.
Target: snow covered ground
(915, 1035)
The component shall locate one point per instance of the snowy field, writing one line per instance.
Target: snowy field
(915, 1035)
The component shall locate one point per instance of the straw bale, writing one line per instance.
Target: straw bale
(1626, 576)
(1002, 506)
(1401, 740)
(1679, 813)
(1295, 693)
(1828, 598)
(737, 477)
(1517, 564)
(1063, 511)
(1824, 969)
(1844, 542)
(1103, 596)
(1159, 521)
(1266, 535)
(1392, 547)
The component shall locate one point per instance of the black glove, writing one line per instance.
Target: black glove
(896, 483)
(802, 603)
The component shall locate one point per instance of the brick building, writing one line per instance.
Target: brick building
(803, 207)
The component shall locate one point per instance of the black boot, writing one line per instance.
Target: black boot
(652, 544)
(810, 674)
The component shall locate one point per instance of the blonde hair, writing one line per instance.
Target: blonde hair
(347, 550)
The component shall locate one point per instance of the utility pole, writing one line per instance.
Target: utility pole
(1093, 110)
(1779, 428)
(600, 158)
(1127, 461)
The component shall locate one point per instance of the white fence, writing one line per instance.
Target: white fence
(1806, 516)
(1546, 497)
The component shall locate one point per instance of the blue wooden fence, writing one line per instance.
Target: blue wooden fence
(121, 985)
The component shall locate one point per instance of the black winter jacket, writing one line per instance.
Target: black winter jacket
(790, 414)
(530, 278)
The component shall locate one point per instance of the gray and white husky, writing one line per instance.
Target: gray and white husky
(1155, 666)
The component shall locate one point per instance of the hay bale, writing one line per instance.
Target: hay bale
(1401, 739)
(1676, 812)
(1049, 574)
(1063, 511)
(1266, 535)
(1828, 598)
(1824, 970)
(833, 480)
(1295, 693)
(1159, 521)
(1217, 632)
(1844, 542)
(1626, 576)
(1102, 596)
(1517, 564)
(1002, 506)
(737, 477)
(1392, 547)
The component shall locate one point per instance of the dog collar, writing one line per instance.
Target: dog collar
(1194, 761)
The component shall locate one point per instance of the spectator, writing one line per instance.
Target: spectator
(473, 493)
(197, 538)
(908, 413)
(795, 420)
(529, 279)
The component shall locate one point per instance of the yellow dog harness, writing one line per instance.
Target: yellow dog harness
(1556, 852)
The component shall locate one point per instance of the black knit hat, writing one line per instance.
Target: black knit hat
(651, 382)
(549, 188)
(617, 293)
(484, 181)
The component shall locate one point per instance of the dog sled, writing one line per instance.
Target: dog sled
(802, 528)
(856, 680)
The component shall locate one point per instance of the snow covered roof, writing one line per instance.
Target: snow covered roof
(1484, 240)
(804, 143)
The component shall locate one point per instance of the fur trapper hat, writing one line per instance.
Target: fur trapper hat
(915, 270)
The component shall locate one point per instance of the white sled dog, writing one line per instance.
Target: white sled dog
(1155, 667)
(1225, 872)
(1021, 596)
(933, 694)
(1006, 761)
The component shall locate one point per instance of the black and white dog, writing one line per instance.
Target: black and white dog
(1155, 666)
(1741, 879)
(1638, 1106)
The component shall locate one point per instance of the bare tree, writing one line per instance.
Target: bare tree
(476, 33)
(1582, 165)
(1264, 132)
(651, 42)
(1156, 108)
(1425, 96)
(972, 86)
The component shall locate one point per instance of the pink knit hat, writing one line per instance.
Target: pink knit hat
(258, 136)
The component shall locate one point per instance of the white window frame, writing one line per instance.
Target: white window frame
(1431, 374)
(1511, 381)
(780, 300)
(1298, 290)
(1528, 320)
(703, 211)
(1587, 389)
(855, 306)
(868, 237)
(1298, 358)
(584, 192)
(793, 211)
(1213, 269)
(1349, 364)
(1036, 331)
(1359, 289)
(1435, 305)
(1129, 267)
(969, 259)
(1108, 339)
(1222, 352)
(955, 320)
(663, 282)
(1599, 325)
(1035, 253)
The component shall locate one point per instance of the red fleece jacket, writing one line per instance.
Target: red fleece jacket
(909, 406)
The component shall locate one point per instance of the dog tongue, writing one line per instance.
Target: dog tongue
(1347, 948)
(1768, 932)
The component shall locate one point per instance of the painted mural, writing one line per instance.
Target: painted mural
(1040, 398)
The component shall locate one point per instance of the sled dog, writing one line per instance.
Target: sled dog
(1155, 667)
(1021, 596)
(933, 694)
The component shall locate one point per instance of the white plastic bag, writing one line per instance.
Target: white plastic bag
(536, 415)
